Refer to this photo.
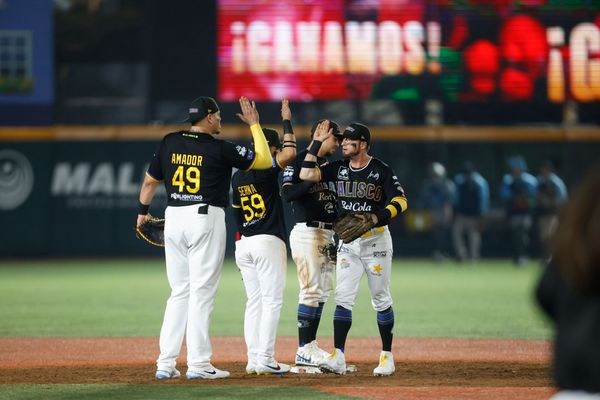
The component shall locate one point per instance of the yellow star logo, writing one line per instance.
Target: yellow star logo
(377, 268)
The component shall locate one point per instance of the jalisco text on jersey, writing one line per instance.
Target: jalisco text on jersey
(186, 159)
(360, 190)
(350, 189)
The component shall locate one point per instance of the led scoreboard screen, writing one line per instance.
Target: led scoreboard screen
(457, 51)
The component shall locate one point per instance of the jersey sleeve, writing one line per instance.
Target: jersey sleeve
(155, 171)
(394, 191)
(290, 174)
(329, 171)
(396, 199)
(237, 155)
(235, 195)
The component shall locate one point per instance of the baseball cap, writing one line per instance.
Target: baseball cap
(200, 108)
(272, 137)
(332, 125)
(356, 131)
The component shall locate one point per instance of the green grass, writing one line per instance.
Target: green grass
(127, 298)
(159, 392)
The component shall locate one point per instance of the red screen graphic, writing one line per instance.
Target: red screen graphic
(407, 50)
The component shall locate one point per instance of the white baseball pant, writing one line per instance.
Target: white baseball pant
(262, 260)
(370, 254)
(314, 268)
(194, 252)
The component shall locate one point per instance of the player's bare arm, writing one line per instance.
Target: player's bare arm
(310, 171)
(147, 191)
(251, 117)
(288, 151)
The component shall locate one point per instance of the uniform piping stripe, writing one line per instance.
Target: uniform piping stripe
(319, 310)
(151, 177)
(401, 201)
(307, 311)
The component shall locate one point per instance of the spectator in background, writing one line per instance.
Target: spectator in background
(569, 292)
(436, 197)
(471, 204)
(551, 194)
(518, 192)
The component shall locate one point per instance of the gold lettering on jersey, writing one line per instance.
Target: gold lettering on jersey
(247, 190)
(361, 190)
(186, 159)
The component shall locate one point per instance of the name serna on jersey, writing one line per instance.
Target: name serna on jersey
(255, 195)
(366, 189)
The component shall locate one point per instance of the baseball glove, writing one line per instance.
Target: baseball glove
(353, 225)
(152, 231)
(330, 251)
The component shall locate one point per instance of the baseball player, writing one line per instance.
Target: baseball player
(362, 183)
(312, 245)
(196, 170)
(260, 252)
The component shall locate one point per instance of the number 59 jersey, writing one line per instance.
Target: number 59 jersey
(196, 167)
(257, 202)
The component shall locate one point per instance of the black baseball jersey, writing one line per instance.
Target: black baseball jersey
(370, 188)
(318, 203)
(258, 203)
(196, 167)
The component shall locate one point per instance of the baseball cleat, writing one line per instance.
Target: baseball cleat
(162, 374)
(209, 372)
(310, 355)
(386, 365)
(336, 363)
(251, 368)
(272, 369)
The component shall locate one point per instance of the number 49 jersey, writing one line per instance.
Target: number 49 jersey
(257, 203)
(196, 167)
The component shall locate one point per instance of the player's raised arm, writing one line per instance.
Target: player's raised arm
(249, 115)
(288, 151)
(310, 170)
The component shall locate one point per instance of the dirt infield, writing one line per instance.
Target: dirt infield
(426, 368)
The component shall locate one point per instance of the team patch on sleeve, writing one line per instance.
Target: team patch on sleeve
(242, 151)
(288, 174)
(245, 152)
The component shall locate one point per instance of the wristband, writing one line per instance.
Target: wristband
(143, 208)
(383, 216)
(314, 147)
(309, 164)
(287, 127)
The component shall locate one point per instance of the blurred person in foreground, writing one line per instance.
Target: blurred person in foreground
(471, 204)
(518, 192)
(551, 194)
(436, 197)
(569, 292)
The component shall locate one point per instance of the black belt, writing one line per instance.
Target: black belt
(319, 224)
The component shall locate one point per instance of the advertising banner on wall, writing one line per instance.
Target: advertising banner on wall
(73, 198)
(410, 50)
